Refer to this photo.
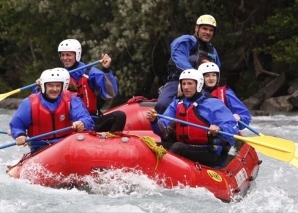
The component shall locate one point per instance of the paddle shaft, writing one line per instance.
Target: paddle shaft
(8, 145)
(72, 71)
(192, 124)
(250, 128)
(13, 92)
(38, 136)
(280, 149)
(3, 132)
(49, 133)
(245, 139)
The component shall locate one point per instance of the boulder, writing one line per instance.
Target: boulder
(255, 101)
(294, 99)
(293, 86)
(10, 103)
(277, 104)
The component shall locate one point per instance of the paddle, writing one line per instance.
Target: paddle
(3, 132)
(38, 136)
(250, 128)
(5, 95)
(280, 149)
(294, 160)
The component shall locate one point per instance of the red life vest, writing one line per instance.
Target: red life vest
(220, 93)
(189, 134)
(83, 90)
(44, 121)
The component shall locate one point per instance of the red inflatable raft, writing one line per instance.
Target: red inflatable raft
(135, 110)
(66, 163)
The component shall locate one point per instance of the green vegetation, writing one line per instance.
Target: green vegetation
(137, 34)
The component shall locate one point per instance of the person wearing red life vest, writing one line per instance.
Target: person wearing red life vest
(92, 85)
(53, 108)
(196, 106)
(211, 75)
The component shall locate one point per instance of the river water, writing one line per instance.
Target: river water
(275, 189)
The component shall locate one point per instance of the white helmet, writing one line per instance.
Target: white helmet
(54, 75)
(195, 75)
(208, 67)
(207, 20)
(71, 45)
(66, 76)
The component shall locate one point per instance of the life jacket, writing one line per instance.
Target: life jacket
(200, 50)
(220, 93)
(83, 90)
(43, 120)
(189, 134)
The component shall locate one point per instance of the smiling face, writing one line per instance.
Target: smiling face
(204, 32)
(210, 79)
(189, 87)
(53, 89)
(68, 58)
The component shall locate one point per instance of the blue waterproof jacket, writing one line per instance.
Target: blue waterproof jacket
(22, 118)
(181, 50)
(212, 110)
(237, 107)
(104, 82)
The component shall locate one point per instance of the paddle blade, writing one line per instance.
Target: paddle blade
(5, 95)
(274, 147)
(294, 161)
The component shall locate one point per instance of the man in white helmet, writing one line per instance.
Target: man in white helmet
(92, 85)
(198, 107)
(53, 108)
(188, 51)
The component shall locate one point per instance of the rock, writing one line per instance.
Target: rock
(10, 103)
(277, 104)
(255, 101)
(294, 99)
(293, 86)
(252, 103)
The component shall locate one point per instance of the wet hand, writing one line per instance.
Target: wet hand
(237, 117)
(21, 140)
(38, 82)
(106, 61)
(78, 126)
(213, 130)
(151, 114)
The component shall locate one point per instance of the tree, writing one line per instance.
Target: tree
(137, 34)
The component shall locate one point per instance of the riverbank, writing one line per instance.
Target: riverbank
(10, 103)
(13, 103)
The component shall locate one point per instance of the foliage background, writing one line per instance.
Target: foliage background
(137, 34)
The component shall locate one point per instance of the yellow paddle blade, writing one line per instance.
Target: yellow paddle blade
(5, 95)
(274, 147)
(294, 161)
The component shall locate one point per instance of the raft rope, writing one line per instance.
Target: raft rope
(149, 141)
